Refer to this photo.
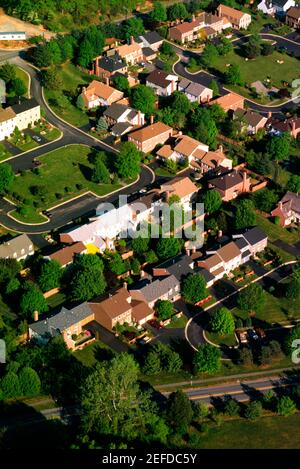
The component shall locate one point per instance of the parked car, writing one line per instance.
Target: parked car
(36, 138)
(36, 162)
(252, 334)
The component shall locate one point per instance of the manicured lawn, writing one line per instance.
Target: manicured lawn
(228, 339)
(29, 216)
(72, 79)
(56, 300)
(24, 77)
(267, 432)
(27, 145)
(4, 153)
(275, 232)
(260, 68)
(93, 353)
(178, 323)
(63, 174)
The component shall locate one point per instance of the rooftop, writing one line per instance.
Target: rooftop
(112, 63)
(153, 130)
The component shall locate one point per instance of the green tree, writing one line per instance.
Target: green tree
(207, 359)
(293, 184)
(293, 289)
(151, 257)
(232, 407)
(203, 126)
(245, 356)
(18, 86)
(81, 105)
(164, 309)
(50, 275)
(135, 266)
(51, 79)
(30, 382)
(143, 99)
(159, 13)
(286, 406)
(209, 55)
(7, 177)
(168, 247)
(212, 201)
(252, 48)
(265, 199)
(179, 411)
(32, 299)
(222, 321)
(8, 72)
(253, 410)
(278, 147)
(233, 75)
(245, 215)
(88, 279)
(85, 53)
(100, 173)
(215, 87)
(140, 245)
(251, 298)
(117, 265)
(177, 11)
(128, 161)
(152, 365)
(133, 27)
(102, 125)
(225, 46)
(10, 385)
(193, 288)
(121, 83)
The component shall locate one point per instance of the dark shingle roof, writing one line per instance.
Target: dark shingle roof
(228, 180)
(61, 321)
(121, 128)
(111, 63)
(148, 52)
(254, 235)
(179, 266)
(24, 105)
(152, 37)
(115, 111)
(153, 290)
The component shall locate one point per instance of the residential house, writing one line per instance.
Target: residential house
(290, 125)
(222, 261)
(208, 162)
(20, 114)
(187, 147)
(68, 322)
(149, 54)
(251, 121)
(162, 82)
(123, 118)
(66, 255)
(100, 94)
(106, 67)
(181, 187)
(148, 137)
(273, 7)
(179, 266)
(229, 102)
(144, 207)
(150, 290)
(116, 309)
(293, 17)
(217, 23)
(152, 39)
(195, 92)
(288, 209)
(208, 33)
(132, 53)
(237, 18)
(231, 184)
(17, 248)
(187, 31)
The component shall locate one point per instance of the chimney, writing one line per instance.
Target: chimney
(142, 273)
(107, 81)
(64, 335)
(280, 205)
(193, 18)
(125, 285)
(151, 119)
(35, 316)
(84, 90)
(244, 180)
(131, 40)
(220, 149)
(269, 115)
(220, 234)
(293, 128)
(187, 251)
(139, 117)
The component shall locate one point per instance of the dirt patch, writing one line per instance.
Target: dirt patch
(8, 23)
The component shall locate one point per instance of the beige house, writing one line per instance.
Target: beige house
(148, 137)
(237, 18)
(132, 53)
(99, 94)
(21, 115)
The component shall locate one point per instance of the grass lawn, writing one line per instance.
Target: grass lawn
(63, 174)
(72, 78)
(92, 353)
(4, 153)
(24, 77)
(56, 300)
(177, 323)
(27, 145)
(259, 68)
(30, 215)
(267, 432)
(161, 171)
(275, 232)
(227, 339)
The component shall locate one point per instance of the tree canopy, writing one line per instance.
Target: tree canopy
(128, 161)
(193, 288)
(207, 359)
(222, 321)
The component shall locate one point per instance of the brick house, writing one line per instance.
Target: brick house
(100, 94)
(293, 17)
(231, 184)
(66, 255)
(106, 67)
(148, 137)
(187, 31)
(183, 188)
(150, 290)
(131, 53)
(288, 209)
(251, 121)
(290, 125)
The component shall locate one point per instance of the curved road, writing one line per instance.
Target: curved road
(204, 78)
(83, 205)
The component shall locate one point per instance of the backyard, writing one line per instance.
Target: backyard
(63, 174)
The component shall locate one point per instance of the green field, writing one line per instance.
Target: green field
(260, 68)
(4, 153)
(92, 353)
(72, 79)
(229, 339)
(63, 174)
(268, 432)
(275, 232)
(24, 77)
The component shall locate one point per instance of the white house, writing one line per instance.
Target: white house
(18, 115)
(194, 91)
(273, 7)
(163, 83)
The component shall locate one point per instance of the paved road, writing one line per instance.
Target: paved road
(205, 78)
(85, 204)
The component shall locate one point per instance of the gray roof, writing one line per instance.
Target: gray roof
(111, 63)
(61, 321)
(152, 37)
(24, 105)
(4, 33)
(148, 52)
(15, 245)
(121, 128)
(115, 111)
(226, 181)
(184, 83)
(254, 235)
(179, 266)
(292, 200)
(195, 89)
(241, 243)
(155, 289)
(206, 274)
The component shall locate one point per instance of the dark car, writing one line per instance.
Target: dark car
(252, 335)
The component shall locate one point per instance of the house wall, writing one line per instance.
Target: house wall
(148, 145)
(7, 128)
(23, 119)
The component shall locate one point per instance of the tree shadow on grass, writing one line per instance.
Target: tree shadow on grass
(85, 171)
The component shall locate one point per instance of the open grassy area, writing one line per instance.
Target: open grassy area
(63, 174)
(259, 68)
(24, 77)
(268, 432)
(72, 79)
(92, 353)
(4, 153)
(177, 323)
(275, 232)
(228, 339)
(29, 215)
